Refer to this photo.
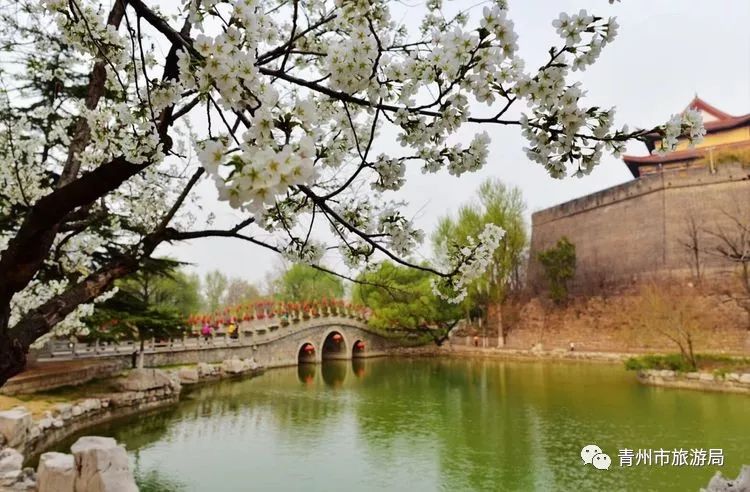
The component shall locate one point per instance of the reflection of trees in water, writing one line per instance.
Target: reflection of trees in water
(154, 481)
(276, 399)
(135, 431)
(449, 407)
(485, 424)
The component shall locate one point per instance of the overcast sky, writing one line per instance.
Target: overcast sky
(665, 53)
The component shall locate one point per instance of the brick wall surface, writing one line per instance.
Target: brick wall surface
(597, 323)
(635, 230)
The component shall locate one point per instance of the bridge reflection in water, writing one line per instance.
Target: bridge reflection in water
(333, 372)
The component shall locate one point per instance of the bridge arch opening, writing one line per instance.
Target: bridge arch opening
(306, 354)
(334, 346)
(358, 349)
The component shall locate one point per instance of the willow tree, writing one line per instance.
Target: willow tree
(103, 103)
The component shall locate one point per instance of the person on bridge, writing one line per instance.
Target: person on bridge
(206, 331)
(232, 330)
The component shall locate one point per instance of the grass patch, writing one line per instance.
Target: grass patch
(38, 403)
(718, 364)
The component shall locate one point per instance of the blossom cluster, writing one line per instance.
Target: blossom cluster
(258, 175)
(688, 123)
(471, 262)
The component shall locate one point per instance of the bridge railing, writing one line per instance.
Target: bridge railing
(249, 335)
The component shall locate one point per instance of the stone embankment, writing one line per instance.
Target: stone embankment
(730, 382)
(96, 464)
(139, 391)
(535, 353)
(208, 372)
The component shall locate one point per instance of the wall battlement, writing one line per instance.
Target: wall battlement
(639, 228)
(694, 176)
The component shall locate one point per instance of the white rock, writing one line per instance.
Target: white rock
(732, 376)
(102, 466)
(720, 484)
(77, 411)
(35, 432)
(144, 380)
(57, 423)
(233, 366)
(63, 410)
(14, 426)
(745, 378)
(693, 375)
(205, 369)
(10, 460)
(56, 473)
(45, 423)
(91, 404)
(8, 479)
(705, 376)
(188, 375)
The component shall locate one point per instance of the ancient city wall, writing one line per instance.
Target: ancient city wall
(599, 323)
(632, 231)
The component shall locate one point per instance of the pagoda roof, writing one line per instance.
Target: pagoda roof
(714, 120)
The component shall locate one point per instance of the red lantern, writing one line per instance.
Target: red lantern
(359, 345)
(337, 337)
(309, 349)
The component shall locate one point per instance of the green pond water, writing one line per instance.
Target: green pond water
(429, 424)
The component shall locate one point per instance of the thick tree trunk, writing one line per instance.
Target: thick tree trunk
(29, 248)
(12, 357)
(15, 341)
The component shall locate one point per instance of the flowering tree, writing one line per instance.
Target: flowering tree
(496, 204)
(283, 102)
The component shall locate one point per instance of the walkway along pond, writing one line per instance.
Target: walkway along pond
(431, 424)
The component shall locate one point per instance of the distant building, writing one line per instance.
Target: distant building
(724, 134)
(643, 227)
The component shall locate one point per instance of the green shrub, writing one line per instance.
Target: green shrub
(559, 264)
(673, 362)
(718, 364)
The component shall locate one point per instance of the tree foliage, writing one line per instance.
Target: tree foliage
(402, 299)
(151, 303)
(304, 283)
(240, 291)
(214, 288)
(496, 204)
(559, 264)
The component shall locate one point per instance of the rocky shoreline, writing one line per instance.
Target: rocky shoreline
(141, 390)
(535, 353)
(730, 382)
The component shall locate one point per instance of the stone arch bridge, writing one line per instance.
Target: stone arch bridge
(268, 342)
